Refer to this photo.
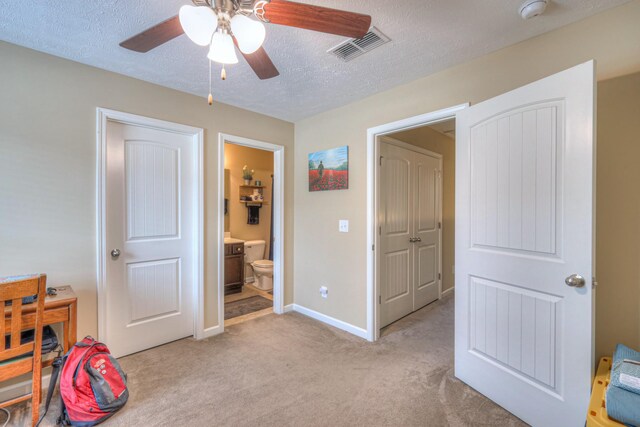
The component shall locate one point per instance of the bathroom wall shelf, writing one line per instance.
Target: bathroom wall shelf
(247, 191)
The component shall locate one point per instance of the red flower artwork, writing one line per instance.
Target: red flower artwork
(329, 170)
(331, 180)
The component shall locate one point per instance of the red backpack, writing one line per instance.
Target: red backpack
(92, 385)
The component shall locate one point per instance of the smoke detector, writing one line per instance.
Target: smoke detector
(532, 8)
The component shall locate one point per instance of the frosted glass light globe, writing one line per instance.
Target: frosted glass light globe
(199, 23)
(222, 49)
(249, 33)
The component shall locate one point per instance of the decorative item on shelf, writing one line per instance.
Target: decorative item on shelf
(329, 169)
(252, 195)
(256, 196)
(258, 183)
(247, 175)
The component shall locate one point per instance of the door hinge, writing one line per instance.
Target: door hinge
(380, 160)
(373, 247)
(379, 299)
(380, 230)
(439, 276)
(594, 283)
(439, 225)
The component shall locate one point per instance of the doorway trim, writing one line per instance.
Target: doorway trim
(278, 219)
(373, 150)
(103, 117)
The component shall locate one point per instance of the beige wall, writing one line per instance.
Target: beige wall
(47, 166)
(323, 256)
(235, 157)
(439, 143)
(618, 214)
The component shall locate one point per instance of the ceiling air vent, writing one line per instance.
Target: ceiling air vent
(352, 48)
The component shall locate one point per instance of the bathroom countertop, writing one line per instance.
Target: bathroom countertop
(231, 240)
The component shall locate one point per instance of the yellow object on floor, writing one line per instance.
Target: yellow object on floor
(597, 416)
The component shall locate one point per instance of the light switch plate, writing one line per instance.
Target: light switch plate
(343, 225)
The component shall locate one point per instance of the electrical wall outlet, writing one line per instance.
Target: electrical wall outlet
(343, 226)
(324, 292)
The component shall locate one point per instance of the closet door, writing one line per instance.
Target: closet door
(426, 230)
(396, 228)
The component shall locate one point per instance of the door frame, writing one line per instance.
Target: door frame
(373, 187)
(103, 117)
(278, 218)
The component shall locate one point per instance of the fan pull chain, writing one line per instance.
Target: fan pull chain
(223, 74)
(210, 100)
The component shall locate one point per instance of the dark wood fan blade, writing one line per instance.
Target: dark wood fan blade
(317, 18)
(154, 36)
(261, 64)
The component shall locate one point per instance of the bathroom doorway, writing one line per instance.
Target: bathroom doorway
(250, 229)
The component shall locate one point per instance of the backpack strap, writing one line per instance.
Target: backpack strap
(58, 362)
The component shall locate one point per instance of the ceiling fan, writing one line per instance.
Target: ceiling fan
(223, 24)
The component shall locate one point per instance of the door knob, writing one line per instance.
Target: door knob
(115, 253)
(575, 281)
(418, 239)
(412, 239)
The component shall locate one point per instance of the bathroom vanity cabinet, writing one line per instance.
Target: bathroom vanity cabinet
(233, 268)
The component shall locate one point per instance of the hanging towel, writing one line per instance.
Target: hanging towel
(254, 215)
(625, 371)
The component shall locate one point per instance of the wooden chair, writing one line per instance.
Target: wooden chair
(14, 360)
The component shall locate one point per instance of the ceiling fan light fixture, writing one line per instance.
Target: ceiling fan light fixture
(222, 49)
(199, 23)
(249, 33)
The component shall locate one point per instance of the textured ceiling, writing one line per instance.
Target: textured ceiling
(427, 36)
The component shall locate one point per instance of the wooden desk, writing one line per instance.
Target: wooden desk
(61, 308)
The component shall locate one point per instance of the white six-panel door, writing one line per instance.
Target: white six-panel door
(409, 216)
(524, 223)
(149, 237)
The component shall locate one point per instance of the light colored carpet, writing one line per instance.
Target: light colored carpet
(290, 370)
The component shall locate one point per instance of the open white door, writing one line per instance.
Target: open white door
(524, 223)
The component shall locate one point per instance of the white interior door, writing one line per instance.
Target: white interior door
(396, 228)
(427, 226)
(150, 205)
(409, 219)
(524, 223)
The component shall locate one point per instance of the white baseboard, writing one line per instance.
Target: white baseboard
(22, 388)
(212, 331)
(288, 308)
(347, 327)
(445, 292)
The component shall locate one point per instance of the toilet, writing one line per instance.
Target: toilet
(262, 269)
